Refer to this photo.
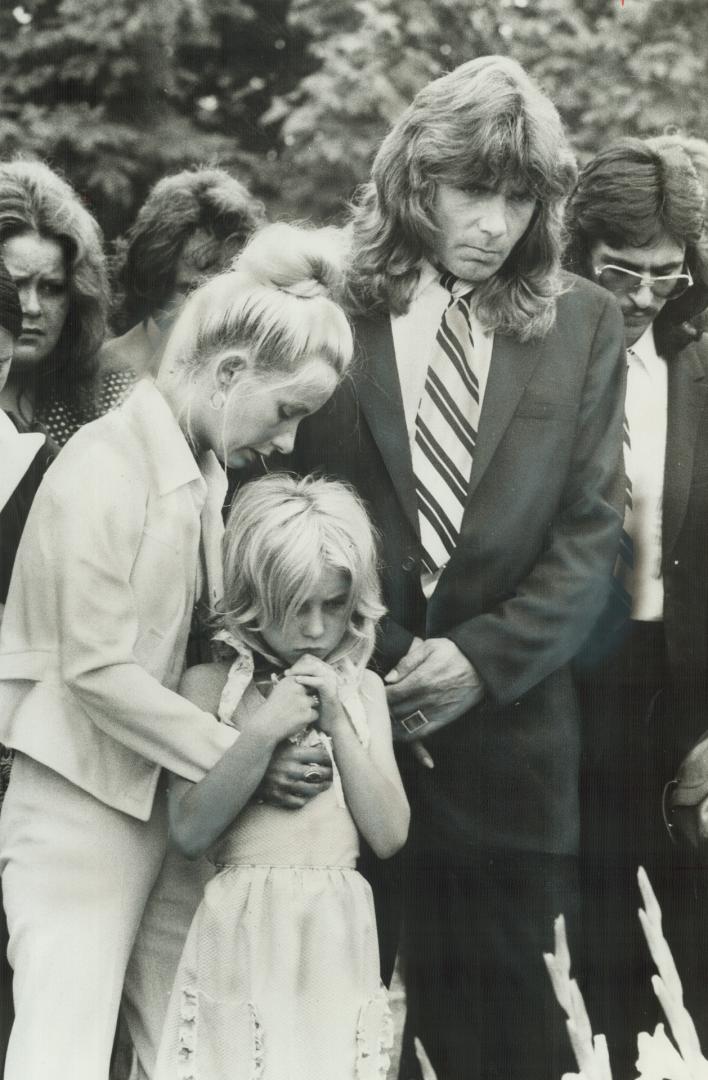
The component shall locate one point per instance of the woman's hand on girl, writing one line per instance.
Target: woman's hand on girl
(310, 671)
(284, 783)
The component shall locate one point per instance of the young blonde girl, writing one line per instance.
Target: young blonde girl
(279, 977)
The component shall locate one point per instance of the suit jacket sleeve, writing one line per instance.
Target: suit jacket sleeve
(393, 642)
(541, 627)
(90, 543)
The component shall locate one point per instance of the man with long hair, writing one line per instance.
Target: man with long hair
(636, 226)
(483, 426)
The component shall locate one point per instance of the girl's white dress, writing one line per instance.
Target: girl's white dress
(279, 978)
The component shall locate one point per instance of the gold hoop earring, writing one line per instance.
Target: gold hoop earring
(217, 400)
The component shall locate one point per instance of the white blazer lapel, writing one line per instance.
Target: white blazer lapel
(213, 526)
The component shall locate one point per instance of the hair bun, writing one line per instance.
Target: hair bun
(300, 261)
(307, 289)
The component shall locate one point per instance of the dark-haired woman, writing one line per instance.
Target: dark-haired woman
(17, 455)
(53, 250)
(53, 304)
(17, 451)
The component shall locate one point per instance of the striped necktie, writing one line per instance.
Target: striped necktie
(623, 574)
(446, 430)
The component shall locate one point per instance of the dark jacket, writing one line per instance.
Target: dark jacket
(13, 514)
(530, 572)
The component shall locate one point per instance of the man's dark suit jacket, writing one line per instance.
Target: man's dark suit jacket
(529, 576)
(683, 713)
(685, 545)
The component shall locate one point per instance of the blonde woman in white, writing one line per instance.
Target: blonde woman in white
(122, 539)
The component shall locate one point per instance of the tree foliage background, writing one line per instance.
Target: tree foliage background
(295, 95)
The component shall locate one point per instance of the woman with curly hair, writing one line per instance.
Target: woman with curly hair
(53, 303)
(53, 249)
(191, 225)
(16, 455)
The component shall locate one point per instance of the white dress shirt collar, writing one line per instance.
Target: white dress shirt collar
(430, 273)
(646, 409)
(644, 349)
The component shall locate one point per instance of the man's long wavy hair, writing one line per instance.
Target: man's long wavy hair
(485, 125)
(33, 198)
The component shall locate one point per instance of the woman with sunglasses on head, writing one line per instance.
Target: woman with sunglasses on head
(123, 537)
(636, 226)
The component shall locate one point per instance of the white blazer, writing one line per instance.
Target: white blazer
(94, 636)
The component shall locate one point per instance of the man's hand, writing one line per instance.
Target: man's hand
(435, 677)
(284, 783)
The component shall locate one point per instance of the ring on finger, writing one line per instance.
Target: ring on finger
(414, 722)
(313, 773)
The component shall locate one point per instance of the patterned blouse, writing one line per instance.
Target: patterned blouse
(62, 418)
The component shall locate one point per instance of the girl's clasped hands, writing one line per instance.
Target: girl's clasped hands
(306, 695)
(321, 685)
(288, 710)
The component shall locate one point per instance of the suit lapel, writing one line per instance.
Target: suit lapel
(379, 392)
(687, 391)
(376, 376)
(512, 365)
